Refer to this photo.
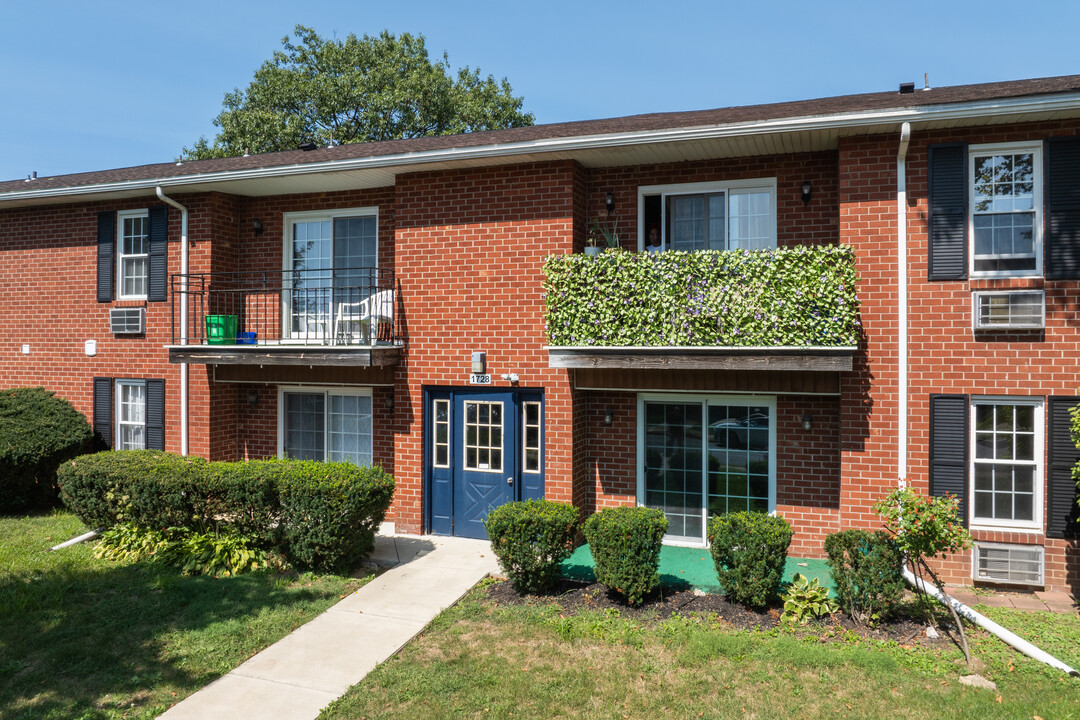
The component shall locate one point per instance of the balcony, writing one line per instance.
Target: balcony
(341, 317)
(789, 309)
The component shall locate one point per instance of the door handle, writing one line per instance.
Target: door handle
(509, 481)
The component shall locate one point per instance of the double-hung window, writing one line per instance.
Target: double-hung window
(1006, 201)
(1007, 447)
(130, 414)
(326, 425)
(132, 254)
(737, 215)
(330, 261)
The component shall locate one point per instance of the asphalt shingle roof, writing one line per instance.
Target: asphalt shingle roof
(867, 102)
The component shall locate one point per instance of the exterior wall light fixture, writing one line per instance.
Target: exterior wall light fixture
(807, 191)
(807, 420)
(479, 363)
(257, 226)
(609, 415)
(609, 202)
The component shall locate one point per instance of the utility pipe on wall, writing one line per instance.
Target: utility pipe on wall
(902, 296)
(183, 316)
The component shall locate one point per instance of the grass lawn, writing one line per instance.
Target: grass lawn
(480, 660)
(91, 639)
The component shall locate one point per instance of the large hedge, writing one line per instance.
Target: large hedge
(38, 432)
(320, 515)
(798, 296)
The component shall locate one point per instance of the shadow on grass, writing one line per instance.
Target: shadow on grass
(79, 642)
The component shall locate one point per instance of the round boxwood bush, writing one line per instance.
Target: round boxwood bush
(38, 432)
(749, 551)
(867, 570)
(625, 544)
(530, 539)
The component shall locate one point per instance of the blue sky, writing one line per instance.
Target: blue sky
(112, 83)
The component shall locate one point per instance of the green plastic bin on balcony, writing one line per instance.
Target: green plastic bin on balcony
(221, 329)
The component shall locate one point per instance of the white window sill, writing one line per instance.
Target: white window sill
(1027, 529)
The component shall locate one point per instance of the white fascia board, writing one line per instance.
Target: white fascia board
(884, 118)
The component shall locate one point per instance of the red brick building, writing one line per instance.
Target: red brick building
(384, 303)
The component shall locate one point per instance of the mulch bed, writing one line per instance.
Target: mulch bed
(573, 597)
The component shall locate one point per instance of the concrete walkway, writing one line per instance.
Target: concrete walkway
(302, 673)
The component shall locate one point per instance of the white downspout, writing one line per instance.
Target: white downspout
(989, 625)
(183, 316)
(902, 319)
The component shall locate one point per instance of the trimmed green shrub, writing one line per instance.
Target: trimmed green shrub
(625, 544)
(749, 551)
(866, 570)
(320, 515)
(799, 296)
(38, 432)
(530, 539)
(330, 511)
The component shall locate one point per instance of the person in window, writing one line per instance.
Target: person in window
(654, 240)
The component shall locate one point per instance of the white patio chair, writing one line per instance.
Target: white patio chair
(366, 314)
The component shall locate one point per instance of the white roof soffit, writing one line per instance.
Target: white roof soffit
(386, 166)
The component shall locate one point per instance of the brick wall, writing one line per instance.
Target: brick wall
(946, 356)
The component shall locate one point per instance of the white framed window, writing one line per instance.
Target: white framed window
(1006, 463)
(530, 436)
(132, 254)
(440, 429)
(704, 455)
(332, 256)
(323, 424)
(130, 414)
(1006, 209)
(734, 215)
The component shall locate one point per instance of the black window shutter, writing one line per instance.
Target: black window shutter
(948, 189)
(103, 409)
(1063, 514)
(1062, 208)
(155, 414)
(106, 254)
(949, 448)
(159, 253)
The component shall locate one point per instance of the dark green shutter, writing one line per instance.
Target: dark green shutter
(1062, 512)
(948, 189)
(103, 409)
(157, 290)
(155, 414)
(106, 254)
(1062, 207)
(949, 448)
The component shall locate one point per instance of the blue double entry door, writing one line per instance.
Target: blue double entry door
(482, 448)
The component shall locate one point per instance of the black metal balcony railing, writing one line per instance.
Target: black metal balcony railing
(339, 307)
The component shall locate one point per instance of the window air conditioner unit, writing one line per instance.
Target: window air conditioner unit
(1023, 310)
(1012, 564)
(127, 321)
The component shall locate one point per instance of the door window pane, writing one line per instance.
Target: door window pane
(349, 428)
(483, 436)
(441, 428)
(304, 426)
(673, 465)
(530, 413)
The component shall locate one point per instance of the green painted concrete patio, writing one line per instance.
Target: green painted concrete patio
(683, 568)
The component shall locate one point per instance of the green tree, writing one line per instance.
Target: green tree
(356, 90)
